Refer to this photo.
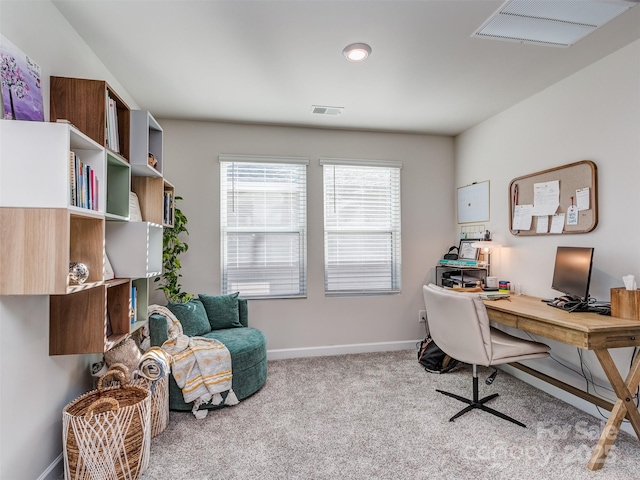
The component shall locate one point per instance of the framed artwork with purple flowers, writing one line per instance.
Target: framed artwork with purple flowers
(21, 89)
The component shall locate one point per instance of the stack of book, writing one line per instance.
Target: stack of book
(84, 184)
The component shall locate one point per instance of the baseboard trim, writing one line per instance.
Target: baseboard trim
(54, 471)
(325, 351)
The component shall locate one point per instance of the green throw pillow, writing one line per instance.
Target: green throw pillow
(192, 316)
(222, 310)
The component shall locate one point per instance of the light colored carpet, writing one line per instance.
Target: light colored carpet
(377, 415)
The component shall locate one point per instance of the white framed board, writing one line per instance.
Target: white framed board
(473, 203)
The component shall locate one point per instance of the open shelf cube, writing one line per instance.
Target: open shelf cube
(91, 320)
(83, 103)
(39, 243)
(146, 138)
(168, 205)
(119, 182)
(142, 302)
(150, 192)
(134, 248)
(37, 173)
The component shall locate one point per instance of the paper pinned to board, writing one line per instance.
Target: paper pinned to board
(546, 197)
(542, 225)
(582, 198)
(557, 223)
(522, 217)
(572, 215)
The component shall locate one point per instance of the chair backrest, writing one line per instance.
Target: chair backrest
(459, 324)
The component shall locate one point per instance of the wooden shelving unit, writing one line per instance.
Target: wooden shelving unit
(78, 321)
(42, 232)
(150, 192)
(83, 103)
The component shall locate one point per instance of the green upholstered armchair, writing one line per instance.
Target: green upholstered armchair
(224, 318)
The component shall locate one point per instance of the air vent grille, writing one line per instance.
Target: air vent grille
(323, 110)
(559, 23)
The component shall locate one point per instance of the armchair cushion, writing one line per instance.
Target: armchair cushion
(192, 316)
(222, 310)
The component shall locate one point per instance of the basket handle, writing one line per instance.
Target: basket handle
(111, 401)
(120, 366)
(116, 373)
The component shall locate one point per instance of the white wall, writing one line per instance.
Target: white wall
(592, 115)
(34, 387)
(192, 149)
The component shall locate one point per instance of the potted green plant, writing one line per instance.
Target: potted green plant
(172, 247)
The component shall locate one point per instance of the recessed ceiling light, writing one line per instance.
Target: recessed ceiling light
(356, 52)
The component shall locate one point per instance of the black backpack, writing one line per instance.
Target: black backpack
(432, 358)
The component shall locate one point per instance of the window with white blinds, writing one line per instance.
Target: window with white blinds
(362, 252)
(263, 223)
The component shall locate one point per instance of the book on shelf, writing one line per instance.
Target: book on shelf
(168, 208)
(72, 178)
(92, 189)
(83, 184)
(113, 141)
(134, 304)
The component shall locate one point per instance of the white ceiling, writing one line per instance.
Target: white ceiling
(269, 61)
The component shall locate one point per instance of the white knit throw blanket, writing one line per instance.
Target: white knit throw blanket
(201, 366)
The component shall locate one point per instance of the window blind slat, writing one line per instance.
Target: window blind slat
(263, 227)
(362, 228)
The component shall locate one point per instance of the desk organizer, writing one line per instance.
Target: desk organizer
(625, 303)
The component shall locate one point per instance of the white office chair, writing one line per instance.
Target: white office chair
(459, 325)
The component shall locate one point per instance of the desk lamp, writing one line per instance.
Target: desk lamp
(486, 246)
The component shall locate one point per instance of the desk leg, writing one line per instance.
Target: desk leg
(624, 405)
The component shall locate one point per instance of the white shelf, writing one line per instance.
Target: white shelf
(134, 248)
(36, 166)
(146, 136)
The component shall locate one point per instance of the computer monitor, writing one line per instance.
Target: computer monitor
(572, 272)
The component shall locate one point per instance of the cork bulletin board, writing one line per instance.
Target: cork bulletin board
(576, 184)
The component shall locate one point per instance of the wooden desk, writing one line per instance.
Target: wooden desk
(588, 331)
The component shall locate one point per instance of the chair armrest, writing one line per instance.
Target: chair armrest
(158, 330)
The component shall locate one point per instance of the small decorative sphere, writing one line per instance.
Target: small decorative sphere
(78, 273)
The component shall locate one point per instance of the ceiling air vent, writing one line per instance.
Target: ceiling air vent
(322, 110)
(556, 23)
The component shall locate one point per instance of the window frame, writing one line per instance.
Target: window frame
(394, 230)
(301, 230)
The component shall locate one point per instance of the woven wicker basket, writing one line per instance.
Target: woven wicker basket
(159, 403)
(159, 397)
(107, 433)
